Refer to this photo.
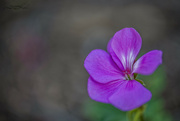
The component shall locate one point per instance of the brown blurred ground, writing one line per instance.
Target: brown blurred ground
(44, 43)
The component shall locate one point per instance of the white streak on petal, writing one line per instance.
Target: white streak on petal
(135, 66)
(123, 60)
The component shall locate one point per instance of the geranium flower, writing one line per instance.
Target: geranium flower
(113, 74)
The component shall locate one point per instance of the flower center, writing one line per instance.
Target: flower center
(128, 75)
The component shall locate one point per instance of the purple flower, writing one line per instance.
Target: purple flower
(112, 75)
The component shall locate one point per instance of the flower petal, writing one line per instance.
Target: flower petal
(101, 92)
(126, 44)
(101, 67)
(114, 56)
(148, 63)
(130, 95)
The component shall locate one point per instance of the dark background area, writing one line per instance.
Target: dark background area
(43, 44)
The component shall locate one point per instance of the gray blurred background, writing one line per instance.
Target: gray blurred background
(43, 44)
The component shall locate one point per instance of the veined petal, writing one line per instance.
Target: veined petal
(126, 44)
(101, 92)
(148, 63)
(114, 56)
(101, 67)
(130, 95)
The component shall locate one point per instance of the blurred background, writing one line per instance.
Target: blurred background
(43, 44)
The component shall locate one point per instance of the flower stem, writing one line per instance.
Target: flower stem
(136, 114)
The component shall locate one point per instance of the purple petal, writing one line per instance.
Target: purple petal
(101, 67)
(130, 95)
(126, 44)
(148, 63)
(101, 92)
(114, 56)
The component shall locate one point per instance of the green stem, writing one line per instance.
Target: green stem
(142, 118)
(136, 114)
